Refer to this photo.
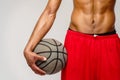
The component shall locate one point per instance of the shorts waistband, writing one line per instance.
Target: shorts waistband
(103, 35)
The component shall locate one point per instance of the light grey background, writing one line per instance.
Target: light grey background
(17, 20)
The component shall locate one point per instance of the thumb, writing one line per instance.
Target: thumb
(41, 58)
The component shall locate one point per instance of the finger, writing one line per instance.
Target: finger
(37, 70)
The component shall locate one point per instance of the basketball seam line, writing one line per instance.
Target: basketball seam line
(63, 55)
(52, 61)
(50, 51)
(57, 57)
(51, 43)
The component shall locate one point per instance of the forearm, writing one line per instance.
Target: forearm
(43, 25)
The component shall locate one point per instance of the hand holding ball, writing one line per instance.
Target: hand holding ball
(55, 53)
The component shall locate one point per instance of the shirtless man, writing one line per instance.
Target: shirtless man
(91, 41)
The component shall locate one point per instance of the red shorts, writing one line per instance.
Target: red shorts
(92, 58)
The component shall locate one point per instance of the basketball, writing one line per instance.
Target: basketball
(55, 53)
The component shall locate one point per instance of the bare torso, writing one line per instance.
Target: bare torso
(93, 16)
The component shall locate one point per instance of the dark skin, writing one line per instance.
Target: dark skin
(88, 16)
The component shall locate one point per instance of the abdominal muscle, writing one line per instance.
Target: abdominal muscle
(93, 16)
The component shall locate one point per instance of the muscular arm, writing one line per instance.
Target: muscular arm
(42, 26)
(44, 23)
